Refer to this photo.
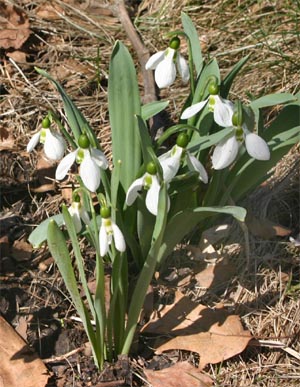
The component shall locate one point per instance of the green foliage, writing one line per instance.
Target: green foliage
(146, 212)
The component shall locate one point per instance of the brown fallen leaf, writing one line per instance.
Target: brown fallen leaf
(265, 228)
(215, 275)
(18, 56)
(21, 250)
(19, 366)
(7, 140)
(213, 333)
(49, 11)
(179, 375)
(14, 27)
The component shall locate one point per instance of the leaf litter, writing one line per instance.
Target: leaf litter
(266, 296)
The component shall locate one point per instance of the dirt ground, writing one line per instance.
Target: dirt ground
(72, 40)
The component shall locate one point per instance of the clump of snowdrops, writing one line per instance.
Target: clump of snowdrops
(134, 212)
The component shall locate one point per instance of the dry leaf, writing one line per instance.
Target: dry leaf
(265, 228)
(14, 27)
(180, 375)
(215, 274)
(21, 250)
(213, 333)
(7, 140)
(49, 11)
(19, 366)
(21, 328)
(17, 55)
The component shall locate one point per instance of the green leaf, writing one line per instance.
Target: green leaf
(39, 234)
(145, 139)
(230, 77)
(147, 271)
(185, 221)
(192, 34)
(59, 250)
(204, 142)
(124, 105)
(76, 120)
(272, 99)
(152, 108)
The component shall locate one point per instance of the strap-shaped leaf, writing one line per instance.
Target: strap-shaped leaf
(59, 250)
(76, 120)
(124, 105)
(39, 234)
(152, 108)
(230, 77)
(192, 34)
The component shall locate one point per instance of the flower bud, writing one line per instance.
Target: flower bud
(83, 141)
(174, 43)
(151, 168)
(46, 123)
(213, 88)
(105, 212)
(182, 140)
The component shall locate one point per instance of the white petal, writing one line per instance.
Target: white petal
(74, 212)
(84, 216)
(192, 110)
(223, 111)
(54, 146)
(118, 238)
(103, 240)
(257, 147)
(165, 72)
(225, 153)
(194, 164)
(133, 190)
(170, 162)
(90, 172)
(183, 68)
(99, 158)
(154, 60)
(33, 142)
(153, 196)
(65, 165)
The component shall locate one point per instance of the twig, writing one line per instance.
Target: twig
(57, 359)
(143, 54)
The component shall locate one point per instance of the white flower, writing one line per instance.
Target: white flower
(109, 231)
(54, 143)
(216, 104)
(151, 184)
(170, 163)
(78, 214)
(227, 149)
(164, 63)
(91, 160)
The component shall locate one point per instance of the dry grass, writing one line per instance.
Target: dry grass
(75, 45)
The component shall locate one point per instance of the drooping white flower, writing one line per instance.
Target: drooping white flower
(150, 182)
(54, 143)
(227, 149)
(216, 104)
(109, 232)
(165, 63)
(78, 214)
(171, 160)
(90, 159)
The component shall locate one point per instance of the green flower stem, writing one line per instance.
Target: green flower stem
(146, 274)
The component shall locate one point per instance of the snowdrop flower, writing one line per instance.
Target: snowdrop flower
(78, 214)
(109, 232)
(165, 62)
(150, 182)
(170, 161)
(54, 143)
(90, 160)
(227, 150)
(216, 104)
